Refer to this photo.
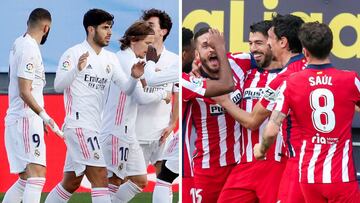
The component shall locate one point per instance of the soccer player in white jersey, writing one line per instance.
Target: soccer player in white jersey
(157, 120)
(84, 74)
(24, 131)
(123, 155)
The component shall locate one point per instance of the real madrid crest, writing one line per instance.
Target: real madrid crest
(37, 153)
(121, 166)
(96, 156)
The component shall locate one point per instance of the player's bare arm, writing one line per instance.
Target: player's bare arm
(248, 120)
(269, 135)
(26, 96)
(225, 83)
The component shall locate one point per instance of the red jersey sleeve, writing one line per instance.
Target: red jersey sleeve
(282, 100)
(357, 84)
(192, 87)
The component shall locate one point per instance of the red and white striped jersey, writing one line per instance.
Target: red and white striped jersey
(289, 130)
(218, 134)
(256, 81)
(196, 87)
(323, 100)
(186, 137)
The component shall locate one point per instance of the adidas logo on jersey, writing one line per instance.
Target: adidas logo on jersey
(89, 67)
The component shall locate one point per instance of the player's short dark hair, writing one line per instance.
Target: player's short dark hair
(317, 38)
(164, 19)
(201, 31)
(38, 15)
(95, 17)
(187, 36)
(136, 32)
(262, 27)
(288, 26)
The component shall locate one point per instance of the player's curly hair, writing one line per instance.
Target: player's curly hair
(136, 32)
(164, 19)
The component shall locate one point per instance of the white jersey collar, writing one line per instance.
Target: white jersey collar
(90, 49)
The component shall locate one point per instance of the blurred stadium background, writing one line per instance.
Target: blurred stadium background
(66, 31)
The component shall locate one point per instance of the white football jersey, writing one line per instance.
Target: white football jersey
(84, 91)
(25, 62)
(153, 118)
(120, 109)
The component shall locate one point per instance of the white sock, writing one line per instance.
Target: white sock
(100, 195)
(127, 191)
(113, 189)
(33, 189)
(58, 195)
(15, 192)
(162, 192)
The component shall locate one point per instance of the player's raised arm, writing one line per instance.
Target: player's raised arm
(167, 75)
(225, 83)
(68, 69)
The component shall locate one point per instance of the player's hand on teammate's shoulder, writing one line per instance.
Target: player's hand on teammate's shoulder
(82, 61)
(151, 54)
(138, 69)
(258, 154)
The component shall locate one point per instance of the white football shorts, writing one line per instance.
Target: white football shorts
(83, 149)
(171, 153)
(122, 158)
(24, 142)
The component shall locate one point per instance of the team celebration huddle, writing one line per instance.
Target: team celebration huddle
(272, 125)
(269, 93)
